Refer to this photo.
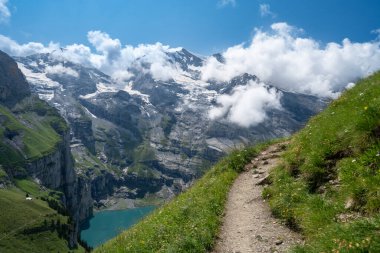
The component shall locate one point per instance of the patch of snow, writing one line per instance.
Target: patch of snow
(103, 87)
(92, 115)
(38, 78)
(46, 96)
(128, 88)
(33, 64)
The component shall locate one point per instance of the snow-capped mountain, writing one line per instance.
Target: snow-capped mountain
(147, 136)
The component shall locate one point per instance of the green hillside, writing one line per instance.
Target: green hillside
(328, 187)
(30, 225)
(29, 131)
(190, 222)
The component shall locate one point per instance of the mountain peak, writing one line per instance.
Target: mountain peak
(13, 85)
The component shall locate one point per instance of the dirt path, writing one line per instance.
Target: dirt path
(248, 225)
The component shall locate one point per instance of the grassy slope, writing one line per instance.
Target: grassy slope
(35, 128)
(18, 214)
(190, 222)
(329, 184)
(328, 187)
(35, 125)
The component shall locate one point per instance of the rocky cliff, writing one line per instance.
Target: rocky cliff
(35, 144)
(56, 171)
(13, 86)
(150, 137)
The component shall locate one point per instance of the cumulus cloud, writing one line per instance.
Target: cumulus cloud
(247, 105)
(114, 59)
(13, 48)
(5, 14)
(61, 70)
(282, 58)
(266, 11)
(109, 55)
(223, 3)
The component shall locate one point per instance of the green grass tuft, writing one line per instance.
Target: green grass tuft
(329, 184)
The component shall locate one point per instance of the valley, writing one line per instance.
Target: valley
(147, 140)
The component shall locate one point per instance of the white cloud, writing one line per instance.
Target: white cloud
(109, 56)
(61, 70)
(5, 14)
(377, 32)
(247, 105)
(223, 3)
(13, 48)
(105, 45)
(281, 57)
(266, 11)
(288, 61)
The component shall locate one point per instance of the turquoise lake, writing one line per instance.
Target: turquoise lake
(108, 224)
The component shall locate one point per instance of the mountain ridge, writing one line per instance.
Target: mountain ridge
(169, 119)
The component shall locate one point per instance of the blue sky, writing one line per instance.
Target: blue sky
(202, 26)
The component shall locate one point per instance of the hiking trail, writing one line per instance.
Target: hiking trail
(248, 225)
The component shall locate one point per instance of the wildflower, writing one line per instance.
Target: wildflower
(365, 108)
(354, 160)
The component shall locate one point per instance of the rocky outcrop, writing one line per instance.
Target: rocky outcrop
(54, 167)
(149, 135)
(82, 129)
(56, 171)
(13, 86)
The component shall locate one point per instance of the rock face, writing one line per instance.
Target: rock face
(55, 168)
(56, 171)
(151, 137)
(13, 86)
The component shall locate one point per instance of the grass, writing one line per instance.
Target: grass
(18, 214)
(190, 222)
(36, 133)
(328, 186)
(30, 131)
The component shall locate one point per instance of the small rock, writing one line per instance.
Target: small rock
(263, 181)
(259, 237)
(265, 162)
(278, 242)
(256, 176)
(349, 204)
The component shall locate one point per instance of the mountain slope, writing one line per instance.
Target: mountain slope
(168, 120)
(326, 187)
(329, 185)
(188, 223)
(40, 197)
